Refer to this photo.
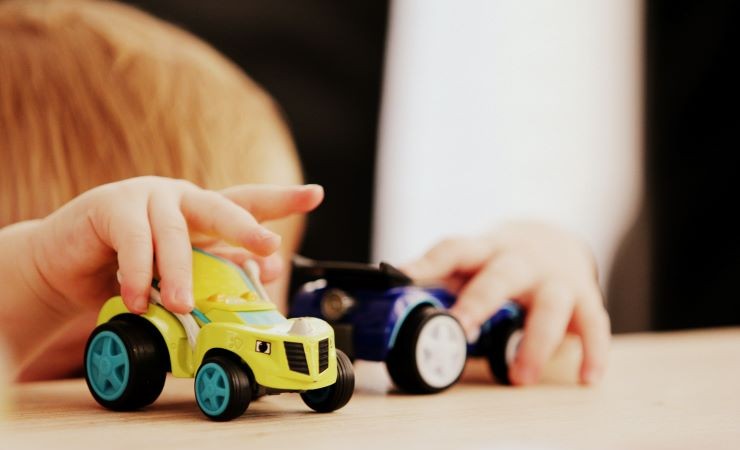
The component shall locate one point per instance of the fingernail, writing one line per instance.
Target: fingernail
(272, 266)
(184, 298)
(472, 330)
(141, 304)
(472, 334)
(268, 236)
(135, 302)
(592, 376)
(522, 374)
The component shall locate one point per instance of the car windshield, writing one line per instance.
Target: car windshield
(261, 317)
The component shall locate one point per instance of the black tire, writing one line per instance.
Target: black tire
(494, 343)
(402, 364)
(333, 397)
(232, 374)
(140, 344)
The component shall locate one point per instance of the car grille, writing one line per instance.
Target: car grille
(323, 355)
(296, 357)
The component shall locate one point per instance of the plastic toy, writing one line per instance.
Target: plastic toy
(234, 343)
(378, 314)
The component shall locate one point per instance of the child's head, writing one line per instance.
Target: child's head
(92, 92)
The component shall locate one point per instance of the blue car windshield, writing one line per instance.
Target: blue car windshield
(262, 317)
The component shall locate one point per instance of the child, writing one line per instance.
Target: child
(91, 93)
(94, 93)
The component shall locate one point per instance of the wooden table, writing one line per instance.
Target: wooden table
(673, 390)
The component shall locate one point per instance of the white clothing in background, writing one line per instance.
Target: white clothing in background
(500, 109)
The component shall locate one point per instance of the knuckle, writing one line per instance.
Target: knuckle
(551, 313)
(554, 293)
(511, 266)
(187, 185)
(229, 212)
(138, 275)
(149, 179)
(173, 228)
(137, 183)
(206, 220)
(250, 234)
(137, 238)
(542, 331)
(176, 271)
(547, 306)
(481, 300)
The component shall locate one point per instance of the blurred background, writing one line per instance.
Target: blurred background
(617, 119)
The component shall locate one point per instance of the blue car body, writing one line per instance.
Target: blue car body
(374, 320)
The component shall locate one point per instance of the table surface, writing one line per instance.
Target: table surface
(669, 390)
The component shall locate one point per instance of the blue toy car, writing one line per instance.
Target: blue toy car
(378, 314)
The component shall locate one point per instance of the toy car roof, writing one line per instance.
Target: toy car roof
(349, 275)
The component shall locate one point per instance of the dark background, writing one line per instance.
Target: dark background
(692, 142)
(322, 60)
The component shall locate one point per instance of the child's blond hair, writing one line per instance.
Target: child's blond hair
(92, 92)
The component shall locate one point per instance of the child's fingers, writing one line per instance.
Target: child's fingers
(546, 322)
(592, 324)
(452, 255)
(501, 279)
(131, 237)
(173, 253)
(270, 266)
(211, 212)
(268, 202)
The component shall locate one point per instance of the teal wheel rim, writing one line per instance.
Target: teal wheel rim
(212, 389)
(108, 366)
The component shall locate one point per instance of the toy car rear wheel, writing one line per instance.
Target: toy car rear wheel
(501, 344)
(429, 353)
(125, 364)
(222, 388)
(333, 397)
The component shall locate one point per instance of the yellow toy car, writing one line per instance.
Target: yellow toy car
(235, 344)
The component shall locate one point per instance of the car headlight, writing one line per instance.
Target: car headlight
(263, 347)
(335, 303)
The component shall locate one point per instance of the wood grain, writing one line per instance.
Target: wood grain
(662, 391)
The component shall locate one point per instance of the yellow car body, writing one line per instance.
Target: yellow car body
(234, 318)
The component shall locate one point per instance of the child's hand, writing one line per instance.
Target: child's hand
(546, 270)
(133, 224)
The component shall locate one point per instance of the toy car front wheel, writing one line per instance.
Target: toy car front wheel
(337, 395)
(125, 364)
(222, 388)
(429, 353)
